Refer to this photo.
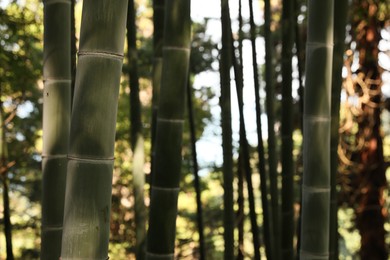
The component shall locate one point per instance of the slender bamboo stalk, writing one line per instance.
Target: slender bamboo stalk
(244, 147)
(92, 133)
(286, 131)
(167, 168)
(137, 140)
(300, 59)
(340, 21)
(225, 103)
(317, 122)
(56, 122)
(240, 168)
(73, 47)
(158, 37)
(299, 54)
(199, 211)
(267, 214)
(272, 160)
(240, 211)
(5, 181)
(7, 218)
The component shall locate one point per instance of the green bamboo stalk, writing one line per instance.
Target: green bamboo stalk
(300, 59)
(158, 37)
(56, 122)
(287, 241)
(4, 179)
(244, 150)
(317, 122)
(199, 210)
(137, 140)
(225, 103)
(240, 165)
(269, 102)
(170, 118)
(267, 214)
(92, 133)
(340, 21)
(73, 47)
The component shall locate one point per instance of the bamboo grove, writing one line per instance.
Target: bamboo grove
(178, 129)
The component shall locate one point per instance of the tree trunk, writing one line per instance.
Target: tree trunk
(240, 216)
(4, 170)
(92, 133)
(316, 136)
(267, 214)
(272, 160)
(199, 211)
(287, 219)
(158, 37)
(167, 166)
(56, 122)
(371, 175)
(73, 47)
(244, 151)
(225, 103)
(340, 20)
(7, 218)
(137, 140)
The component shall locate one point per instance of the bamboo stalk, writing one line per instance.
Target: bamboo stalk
(269, 102)
(92, 133)
(167, 165)
(287, 242)
(264, 177)
(199, 211)
(136, 136)
(340, 21)
(225, 103)
(56, 122)
(317, 122)
(244, 150)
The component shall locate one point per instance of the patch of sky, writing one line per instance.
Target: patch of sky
(25, 109)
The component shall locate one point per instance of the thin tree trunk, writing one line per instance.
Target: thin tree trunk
(300, 58)
(300, 66)
(7, 218)
(199, 211)
(167, 167)
(316, 150)
(225, 103)
(4, 178)
(244, 147)
(267, 214)
(56, 122)
(137, 140)
(240, 212)
(92, 133)
(340, 20)
(287, 242)
(272, 160)
(73, 47)
(158, 37)
(240, 216)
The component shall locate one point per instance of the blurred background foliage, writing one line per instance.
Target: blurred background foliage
(21, 87)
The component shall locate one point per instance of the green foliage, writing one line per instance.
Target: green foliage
(20, 70)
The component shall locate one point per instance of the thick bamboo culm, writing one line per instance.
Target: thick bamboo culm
(166, 174)
(92, 133)
(56, 122)
(316, 133)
